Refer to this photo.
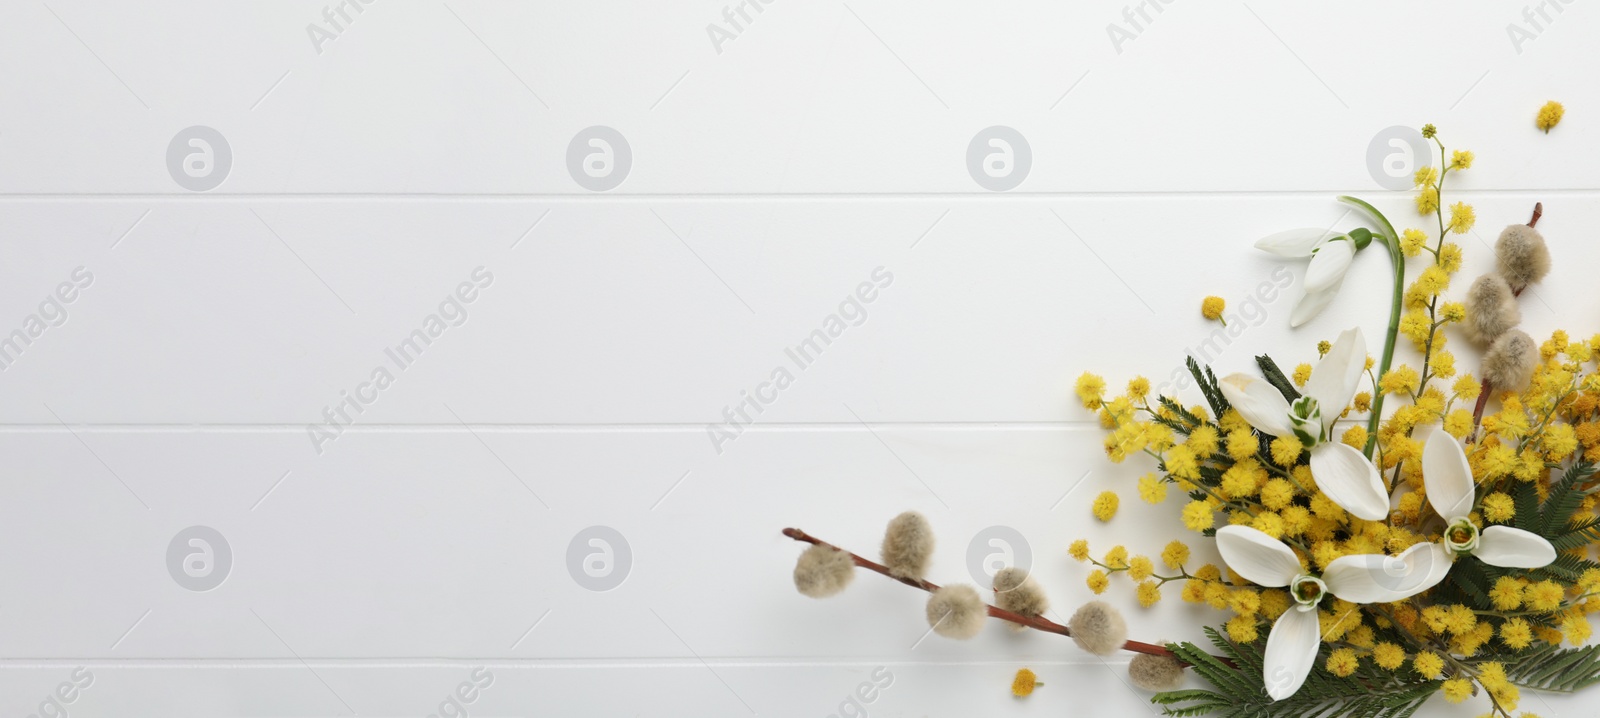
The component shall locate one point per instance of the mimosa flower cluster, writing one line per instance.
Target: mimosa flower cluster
(1373, 558)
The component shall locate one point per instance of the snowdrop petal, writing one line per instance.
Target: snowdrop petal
(1447, 476)
(1349, 480)
(1376, 578)
(1312, 304)
(1507, 547)
(1329, 264)
(1291, 650)
(1259, 558)
(1259, 403)
(1294, 243)
(1333, 383)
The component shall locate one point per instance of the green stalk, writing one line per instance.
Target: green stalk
(1391, 240)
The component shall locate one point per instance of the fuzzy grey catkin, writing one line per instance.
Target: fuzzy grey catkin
(1155, 673)
(1510, 361)
(1491, 309)
(1521, 255)
(823, 571)
(1016, 591)
(1098, 628)
(957, 611)
(908, 546)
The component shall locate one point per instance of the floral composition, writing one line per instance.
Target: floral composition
(1388, 530)
(1373, 558)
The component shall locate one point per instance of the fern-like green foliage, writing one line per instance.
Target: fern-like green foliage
(1208, 386)
(1275, 377)
(1550, 668)
(1238, 690)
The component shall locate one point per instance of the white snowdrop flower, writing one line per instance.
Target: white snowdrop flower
(1452, 492)
(1331, 254)
(1362, 578)
(1347, 477)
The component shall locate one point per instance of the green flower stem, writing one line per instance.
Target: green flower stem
(1391, 240)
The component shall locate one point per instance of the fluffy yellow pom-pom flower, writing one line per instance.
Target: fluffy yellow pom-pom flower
(1152, 489)
(1461, 217)
(1148, 593)
(1140, 568)
(1413, 240)
(1212, 308)
(1022, 686)
(1427, 665)
(1427, 200)
(1342, 662)
(1175, 554)
(1388, 655)
(1198, 516)
(1105, 505)
(1549, 116)
(1091, 390)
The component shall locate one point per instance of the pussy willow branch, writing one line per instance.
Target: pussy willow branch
(1483, 390)
(1037, 623)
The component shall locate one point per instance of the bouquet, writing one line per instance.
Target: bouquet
(1384, 535)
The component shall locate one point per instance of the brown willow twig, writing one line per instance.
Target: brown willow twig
(1038, 623)
(1483, 390)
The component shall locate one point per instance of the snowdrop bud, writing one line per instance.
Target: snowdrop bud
(1509, 363)
(1016, 591)
(956, 612)
(908, 546)
(1098, 628)
(1155, 673)
(823, 571)
(1521, 255)
(1491, 309)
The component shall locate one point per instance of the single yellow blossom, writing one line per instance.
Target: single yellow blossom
(1152, 489)
(1286, 450)
(1022, 686)
(1427, 200)
(1091, 390)
(1342, 662)
(1498, 507)
(1549, 116)
(1242, 629)
(1388, 656)
(1461, 217)
(1198, 516)
(1148, 593)
(1516, 634)
(1175, 554)
(1105, 505)
(1140, 568)
(1428, 665)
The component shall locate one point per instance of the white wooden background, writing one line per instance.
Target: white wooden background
(374, 170)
